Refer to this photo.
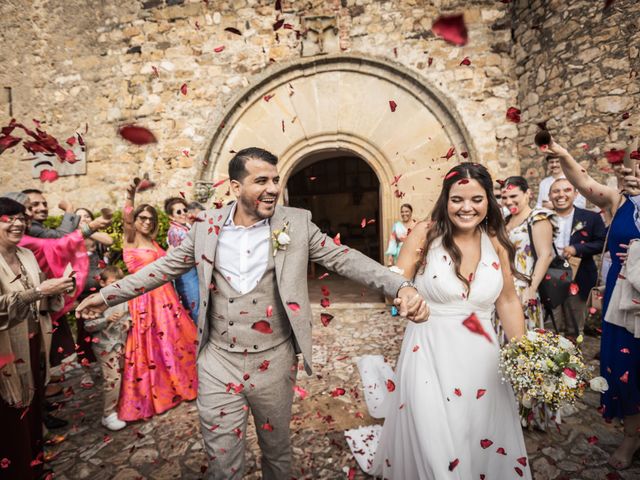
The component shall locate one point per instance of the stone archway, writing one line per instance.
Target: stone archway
(377, 110)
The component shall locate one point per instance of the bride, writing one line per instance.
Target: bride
(447, 412)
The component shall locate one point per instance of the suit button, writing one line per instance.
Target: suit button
(231, 322)
(231, 346)
(255, 347)
(231, 300)
(254, 301)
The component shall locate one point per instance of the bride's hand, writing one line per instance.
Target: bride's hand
(411, 305)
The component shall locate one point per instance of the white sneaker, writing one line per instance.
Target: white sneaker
(112, 422)
(86, 381)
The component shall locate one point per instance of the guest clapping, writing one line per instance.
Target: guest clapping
(531, 231)
(581, 236)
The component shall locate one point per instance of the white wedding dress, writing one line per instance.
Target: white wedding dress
(448, 415)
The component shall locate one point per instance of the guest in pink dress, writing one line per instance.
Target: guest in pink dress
(160, 354)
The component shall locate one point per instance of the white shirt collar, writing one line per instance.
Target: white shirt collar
(229, 221)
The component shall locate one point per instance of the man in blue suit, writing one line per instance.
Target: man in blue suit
(582, 235)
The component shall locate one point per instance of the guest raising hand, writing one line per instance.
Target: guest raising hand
(619, 349)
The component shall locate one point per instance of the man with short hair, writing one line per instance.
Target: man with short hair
(255, 316)
(582, 235)
(555, 172)
(40, 212)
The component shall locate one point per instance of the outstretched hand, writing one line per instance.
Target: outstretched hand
(411, 305)
(91, 307)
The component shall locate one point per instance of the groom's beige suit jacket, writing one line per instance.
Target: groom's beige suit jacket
(308, 243)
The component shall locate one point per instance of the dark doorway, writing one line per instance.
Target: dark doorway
(342, 192)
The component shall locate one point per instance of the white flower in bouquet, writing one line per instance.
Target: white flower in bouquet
(599, 384)
(566, 344)
(532, 336)
(569, 381)
(526, 401)
(284, 238)
(549, 386)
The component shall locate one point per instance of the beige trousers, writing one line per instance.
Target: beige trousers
(111, 366)
(232, 384)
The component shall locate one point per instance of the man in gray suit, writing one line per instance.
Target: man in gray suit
(255, 316)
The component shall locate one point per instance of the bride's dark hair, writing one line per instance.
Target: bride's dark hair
(493, 223)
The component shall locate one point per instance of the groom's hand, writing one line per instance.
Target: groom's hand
(411, 305)
(91, 307)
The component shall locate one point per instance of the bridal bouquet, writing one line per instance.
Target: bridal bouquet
(548, 370)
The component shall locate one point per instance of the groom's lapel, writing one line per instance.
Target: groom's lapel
(278, 222)
(214, 223)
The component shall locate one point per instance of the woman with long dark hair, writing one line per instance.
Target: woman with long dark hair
(447, 404)
(160, 354)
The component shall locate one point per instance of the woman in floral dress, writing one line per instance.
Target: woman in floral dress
(525, 225)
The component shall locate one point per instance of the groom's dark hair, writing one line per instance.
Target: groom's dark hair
(237, 170)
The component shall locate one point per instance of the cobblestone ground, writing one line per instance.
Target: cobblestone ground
(169, 445)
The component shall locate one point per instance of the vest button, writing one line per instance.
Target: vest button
(231, 346)
(231, 300)
(230, 322)
(255, 347)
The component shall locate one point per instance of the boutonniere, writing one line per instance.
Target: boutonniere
(280, 239)
(579, 226)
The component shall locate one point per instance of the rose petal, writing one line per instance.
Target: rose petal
(137, 135)
(325, 318)
(486, 443)
(293, 306)
(451, 28)
(338, 392)
(465, 61)
(574, 289)
(301, 392)
(325, 303)
(472, 323)
(453, 464)
(183, 89)
(262, 326)
(614, 157)
(513, 115)
(449, 153)
(235, 31)
(480, 393)
(391, 386)
(393, 105)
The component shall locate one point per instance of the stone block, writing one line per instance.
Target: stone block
(613, 104)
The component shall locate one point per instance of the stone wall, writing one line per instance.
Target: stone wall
(79, 65)
(577, 67)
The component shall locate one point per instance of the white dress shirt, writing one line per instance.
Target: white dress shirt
(564, 234)
(243, 253)
(543, 193)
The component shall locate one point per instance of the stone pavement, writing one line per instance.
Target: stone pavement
(169, 445)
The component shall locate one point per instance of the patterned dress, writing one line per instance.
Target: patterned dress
(160, 355)
(524, 262)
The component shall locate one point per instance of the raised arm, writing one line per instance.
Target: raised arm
(598, 194)
(127, 215)
(508, 304)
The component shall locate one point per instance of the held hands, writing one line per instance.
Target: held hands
(569, 251)
(91, 307)
(411, 305)
(57, 286)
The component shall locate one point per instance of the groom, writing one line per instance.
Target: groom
(255, 316)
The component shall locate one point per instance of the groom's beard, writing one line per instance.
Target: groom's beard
(253, 208)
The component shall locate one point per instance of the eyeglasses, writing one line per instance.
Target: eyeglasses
(12, 219)
(145, 219)
(180, 212)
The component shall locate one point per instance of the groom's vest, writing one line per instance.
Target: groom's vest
(239, 323)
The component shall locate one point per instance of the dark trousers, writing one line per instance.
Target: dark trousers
(21, 439)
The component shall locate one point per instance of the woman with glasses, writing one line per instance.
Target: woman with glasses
(187, 284)
(160, 354)
(25, 340)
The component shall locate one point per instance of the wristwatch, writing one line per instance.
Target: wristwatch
(406, 283)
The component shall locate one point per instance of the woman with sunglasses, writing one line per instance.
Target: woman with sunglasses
(160, 358)
(187, 284)
(25, 341)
